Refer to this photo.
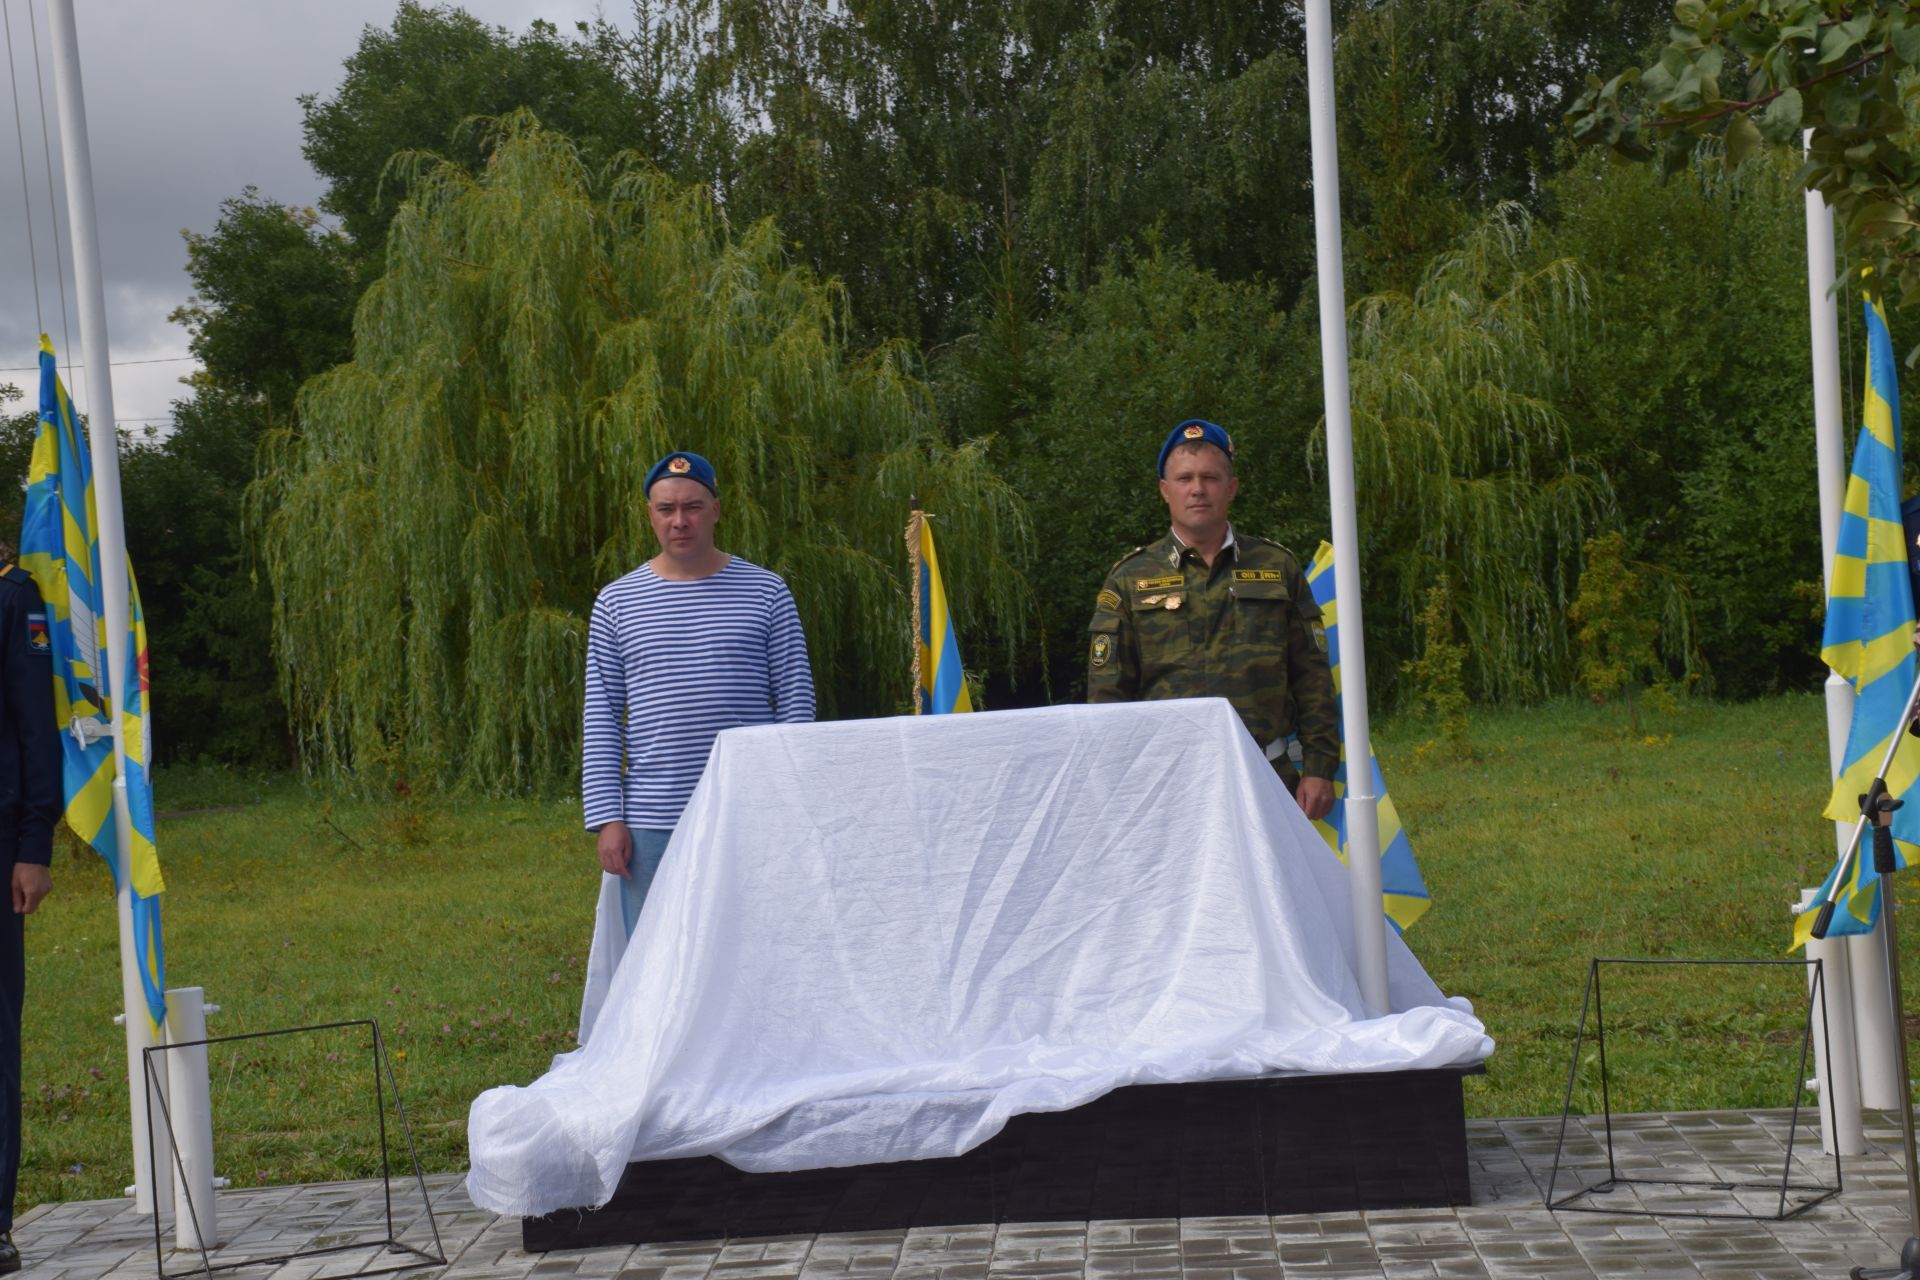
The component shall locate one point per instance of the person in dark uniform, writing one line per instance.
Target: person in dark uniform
(30, 804)
(1208, 611)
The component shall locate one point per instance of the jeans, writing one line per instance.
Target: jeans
(649, 845)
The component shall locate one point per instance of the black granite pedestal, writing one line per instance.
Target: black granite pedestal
(1272, 1145)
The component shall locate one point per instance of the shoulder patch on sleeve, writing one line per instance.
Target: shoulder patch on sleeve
(39, 640)
(1107, 600)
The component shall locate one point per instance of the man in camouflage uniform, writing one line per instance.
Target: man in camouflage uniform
(1206, 612)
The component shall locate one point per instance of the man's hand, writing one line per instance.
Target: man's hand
(31, 883)
(615, 848)
(1316, 797)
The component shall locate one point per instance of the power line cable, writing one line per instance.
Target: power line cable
(113, 364)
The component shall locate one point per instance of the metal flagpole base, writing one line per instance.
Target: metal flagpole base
(1876, 808)
(1909, 1268)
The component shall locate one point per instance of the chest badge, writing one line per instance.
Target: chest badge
(1174, 601)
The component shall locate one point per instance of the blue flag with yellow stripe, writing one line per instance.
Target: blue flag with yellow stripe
(941, 686)
(1403, 894)
(60, 547)
(1869, 637)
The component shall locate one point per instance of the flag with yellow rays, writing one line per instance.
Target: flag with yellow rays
(1403, 893)
(939, 683)
(1869, 638)
(60, 547)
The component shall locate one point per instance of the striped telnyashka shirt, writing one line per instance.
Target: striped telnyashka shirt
(671, 664)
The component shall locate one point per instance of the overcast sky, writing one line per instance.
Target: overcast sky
(187, 102)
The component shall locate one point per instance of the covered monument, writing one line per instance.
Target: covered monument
(879, 940)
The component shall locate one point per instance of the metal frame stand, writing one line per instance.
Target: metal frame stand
(1877, 807)
(1813, 1193)
(383, 1079)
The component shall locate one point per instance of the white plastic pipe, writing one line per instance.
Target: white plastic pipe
(189, 1101)
(1363, 816)
(1835, 1067)
(103, 445)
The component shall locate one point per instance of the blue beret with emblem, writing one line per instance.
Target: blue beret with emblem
(1195, 431)
(681, 465)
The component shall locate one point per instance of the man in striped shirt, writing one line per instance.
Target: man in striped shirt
(692, 642)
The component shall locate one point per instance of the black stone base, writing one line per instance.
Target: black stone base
(1274, 1145)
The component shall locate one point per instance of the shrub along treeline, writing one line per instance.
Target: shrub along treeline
(986, 255)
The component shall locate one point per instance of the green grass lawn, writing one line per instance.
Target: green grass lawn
(463, 927)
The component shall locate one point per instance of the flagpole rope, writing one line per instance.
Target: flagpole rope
(1849, 402)
(53, 211)
(20, 139)
(913, 577)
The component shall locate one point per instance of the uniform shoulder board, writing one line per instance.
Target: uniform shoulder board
(1123, 559)
(1281, 547)
(14, 574)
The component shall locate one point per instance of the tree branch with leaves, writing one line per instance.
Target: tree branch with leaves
(1757, 73)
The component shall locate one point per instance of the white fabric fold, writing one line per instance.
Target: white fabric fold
(878, 940)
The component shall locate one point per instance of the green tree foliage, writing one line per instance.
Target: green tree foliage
(1466, 462)
(455, 495)
(273, 299)
(208, 612)
(17, 427)
(1691, 392)
(1618, 616)
(274, 290)
(415, 86)
(1437, 691)
(1149, 132)
(1755, 73)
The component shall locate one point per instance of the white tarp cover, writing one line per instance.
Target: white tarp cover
(877, 940)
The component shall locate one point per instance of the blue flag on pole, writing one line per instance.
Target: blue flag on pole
(1869, 637)
(60, 547)
(1403, 894)
(941, 686)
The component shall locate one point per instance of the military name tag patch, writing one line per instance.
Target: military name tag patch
(1172, 580)
(1102, 650)
(1258, 575)
(1107, 600)
(37, 638)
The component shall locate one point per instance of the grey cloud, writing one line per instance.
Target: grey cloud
(187, 103)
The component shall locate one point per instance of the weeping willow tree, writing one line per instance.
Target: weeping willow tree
(1467, 466)
(455, 495)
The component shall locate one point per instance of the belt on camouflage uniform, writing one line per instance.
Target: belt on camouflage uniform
(1287, 746)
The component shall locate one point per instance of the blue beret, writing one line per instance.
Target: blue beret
(1195, 431)
(683, 466)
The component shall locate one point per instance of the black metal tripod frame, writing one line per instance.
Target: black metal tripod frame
(383, 1080)
(1795, 1197)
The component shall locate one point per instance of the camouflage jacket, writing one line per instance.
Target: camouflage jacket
(1247, 630)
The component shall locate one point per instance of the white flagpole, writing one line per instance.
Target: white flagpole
(152, 1185)
(1840, 1083)
(1866, 964)
(1363, 815)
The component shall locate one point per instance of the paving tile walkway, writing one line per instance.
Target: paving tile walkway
(1506, 1234)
